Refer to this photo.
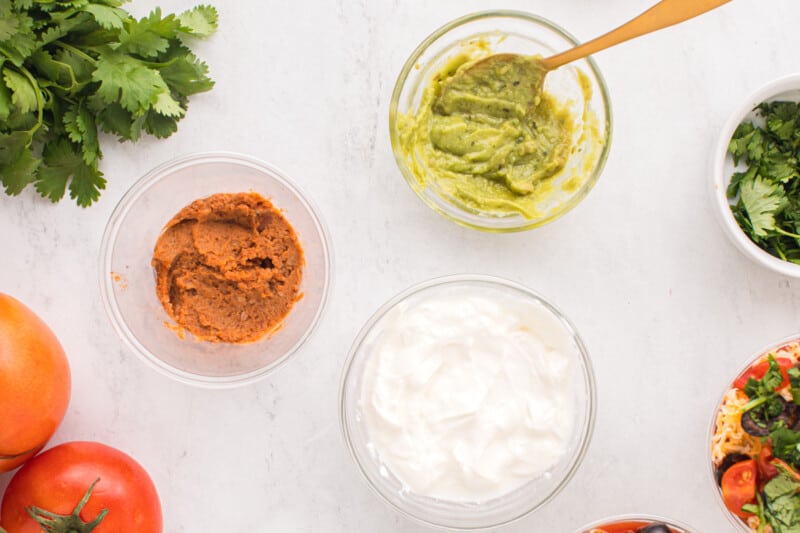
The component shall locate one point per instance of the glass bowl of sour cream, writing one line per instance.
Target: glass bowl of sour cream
(467, 402)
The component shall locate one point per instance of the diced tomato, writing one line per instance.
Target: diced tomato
(739, 486)
(766, 469)
(758, 370)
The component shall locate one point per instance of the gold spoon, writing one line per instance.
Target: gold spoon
(486, 72)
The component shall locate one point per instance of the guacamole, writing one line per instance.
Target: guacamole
(486, 135)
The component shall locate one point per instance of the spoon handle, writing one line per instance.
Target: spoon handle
(662, 15)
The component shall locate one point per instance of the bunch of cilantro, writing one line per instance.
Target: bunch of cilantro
(766, 196)
(69, 68)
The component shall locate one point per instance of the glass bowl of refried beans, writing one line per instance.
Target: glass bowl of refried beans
(214, 268)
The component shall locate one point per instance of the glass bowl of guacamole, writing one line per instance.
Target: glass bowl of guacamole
(487, 158)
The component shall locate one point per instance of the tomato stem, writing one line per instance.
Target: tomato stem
(72, 523)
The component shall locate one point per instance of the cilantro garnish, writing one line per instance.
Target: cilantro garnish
(766, 196)
(780, 506)
(69, 68)
(765, 403)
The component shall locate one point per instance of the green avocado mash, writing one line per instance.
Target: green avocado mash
(486, 137)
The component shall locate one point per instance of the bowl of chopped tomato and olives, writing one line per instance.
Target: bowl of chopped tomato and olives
(635, 524)
(755, 442)
(756, 176)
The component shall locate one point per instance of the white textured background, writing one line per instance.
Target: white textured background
(668, 308)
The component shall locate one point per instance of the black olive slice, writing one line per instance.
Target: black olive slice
(789, 416)
(729, 460)
(654, 528)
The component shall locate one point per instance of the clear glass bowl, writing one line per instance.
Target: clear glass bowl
(645, 519)
(449, 514)
(785, 88)
(127, 279)
(735, 520)
(521, 33)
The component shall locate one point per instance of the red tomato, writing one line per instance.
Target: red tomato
(56, 481)
(766, 469)
(34, 383)
(739, 486)
(758, 370)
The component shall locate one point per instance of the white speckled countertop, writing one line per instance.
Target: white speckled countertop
(668, 308)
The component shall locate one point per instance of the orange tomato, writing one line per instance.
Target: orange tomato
(34, 383)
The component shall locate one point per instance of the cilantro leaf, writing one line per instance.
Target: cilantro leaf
(129, 81)
(747, 144)
(762, 200)
(11, 146)
(8, 26)
(19, 174)
(23, 94)
(149, 36)
(5, 101)
(184, 72)
(159, 125)
(781, 119)
(110, 18)
(167, 106)
(62, 164)
(22, 42)
(200, 21)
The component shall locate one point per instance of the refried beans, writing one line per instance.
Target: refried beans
(228, 267)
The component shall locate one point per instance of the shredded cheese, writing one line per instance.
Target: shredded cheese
(729, 437)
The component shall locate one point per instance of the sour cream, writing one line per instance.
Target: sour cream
(468, 394)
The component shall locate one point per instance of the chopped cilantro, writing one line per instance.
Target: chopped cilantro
(71, 68)
(781, 503)
(786, 445)
(765, 403)
(765, 197)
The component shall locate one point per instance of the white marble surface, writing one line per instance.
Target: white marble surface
(667, 307)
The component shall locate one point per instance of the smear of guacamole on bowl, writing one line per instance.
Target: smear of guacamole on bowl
(490, 142)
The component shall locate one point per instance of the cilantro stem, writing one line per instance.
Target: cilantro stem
(752, 404)
(76, 51)
(788, 234)
(39, 100)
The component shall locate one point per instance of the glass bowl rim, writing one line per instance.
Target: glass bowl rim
(111, 232)
(634, 517)
(767, 348)
(455, 215)
(587, 372)
(719, 182)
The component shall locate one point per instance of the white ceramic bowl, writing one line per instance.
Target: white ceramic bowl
(786, 88)
(127, 279)
(448, 514)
